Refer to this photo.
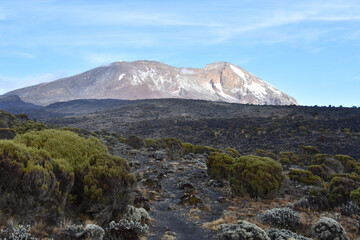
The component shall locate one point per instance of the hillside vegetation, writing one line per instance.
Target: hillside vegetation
(277, 173)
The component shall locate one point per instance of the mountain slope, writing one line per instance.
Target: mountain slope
(15, 105)
(219, 81)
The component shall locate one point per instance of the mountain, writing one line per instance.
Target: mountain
(218, 81)
(15, 105)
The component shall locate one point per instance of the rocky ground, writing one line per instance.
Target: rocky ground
(184, 203)
(179, 196)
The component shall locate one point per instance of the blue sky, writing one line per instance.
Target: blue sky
(308, 49)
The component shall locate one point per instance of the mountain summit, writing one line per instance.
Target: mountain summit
(220, 81)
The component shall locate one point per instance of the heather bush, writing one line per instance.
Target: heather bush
(94, 232)
(125, 229)
(188, 148)
(102, 186)
(328, 229)
(232, 152)
(329, 161)
(285, 218)
(135, 142)
(306, 153)
(305, 177)
(32, 185)
(173, 147)
(19, 232)
(219, 165)
(242, 230)
(256, 176)
(288, 158)
(308, 150)
(339, 190)
(349, 163)
(355, 196)
(282, 234)
(149, 142)
(321, 170)
(263, 153)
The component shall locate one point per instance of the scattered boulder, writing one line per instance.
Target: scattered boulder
(328, 229)
(243, 230)
(187, 187)
(215, 183)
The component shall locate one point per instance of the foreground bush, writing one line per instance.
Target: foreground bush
(281, 234)
(328, 229)
(256, 176)
(242, 230)
(285, 218)
(219, 165)
(59, 171)
(32, 185)
(20, 232)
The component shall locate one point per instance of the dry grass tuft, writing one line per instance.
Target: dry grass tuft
(214, 225)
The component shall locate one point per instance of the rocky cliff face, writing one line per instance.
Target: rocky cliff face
(218, 81)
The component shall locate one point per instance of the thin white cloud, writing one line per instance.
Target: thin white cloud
(24, 54)
(274, 19)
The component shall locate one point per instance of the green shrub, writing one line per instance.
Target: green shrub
(305, 177)
(353, 176)
(355, 196)
(103, 184)
(321, 170)
(135, 142)
(329, 161)
(28, 126)
(340, 189)
(288, 158)
(173, 147)
(308, 150)
(188, 148)
(205, 149)
(263, 153)
(198, 149)
(233, 152)
(256, 176)
(219, 165)
(149, 142)
(33, 186)
(349, 163)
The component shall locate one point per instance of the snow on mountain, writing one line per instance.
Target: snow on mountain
(218, 81)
